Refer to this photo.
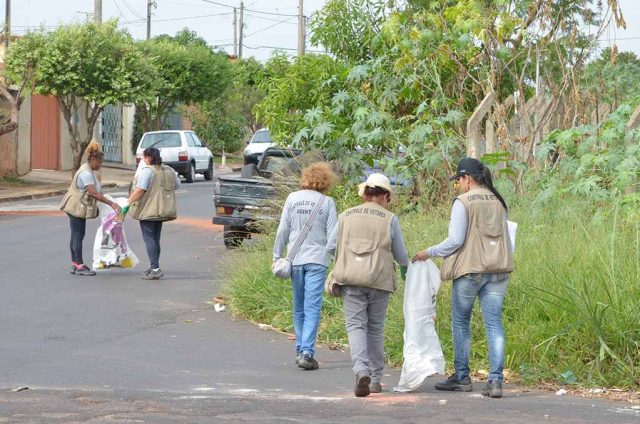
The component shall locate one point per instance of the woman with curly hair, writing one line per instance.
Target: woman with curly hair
(80, 204)
(309, 266)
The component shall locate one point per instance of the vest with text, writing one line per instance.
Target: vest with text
(158, 203)
(487, 248)
(77, 202)
(363, 253)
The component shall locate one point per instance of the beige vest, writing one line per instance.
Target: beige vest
(78, 202)
(363, 253)
(158, 203)
(486, 249)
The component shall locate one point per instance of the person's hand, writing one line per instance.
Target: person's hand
(403, 272)
(116, 207)
(421, 256)
(125, 210)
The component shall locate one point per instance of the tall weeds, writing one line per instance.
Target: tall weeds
(571, 314)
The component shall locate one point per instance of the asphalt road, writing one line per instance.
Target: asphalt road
(118, 349)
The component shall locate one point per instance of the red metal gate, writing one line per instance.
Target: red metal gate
(45, 132)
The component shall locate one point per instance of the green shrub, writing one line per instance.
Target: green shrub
(572, 308)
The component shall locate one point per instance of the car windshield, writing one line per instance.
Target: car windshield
(160, 140)
(261, 137)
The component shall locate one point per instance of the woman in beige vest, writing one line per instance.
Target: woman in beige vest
(369, 239)
(153, 201)
(80, 204)
(478, 258)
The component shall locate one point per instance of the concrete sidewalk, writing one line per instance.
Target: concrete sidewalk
(41, 183)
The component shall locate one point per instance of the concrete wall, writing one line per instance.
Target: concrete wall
(24, 137)
(128, 118)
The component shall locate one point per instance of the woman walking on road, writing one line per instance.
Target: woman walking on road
(80, 204)
(311, 260)
(478, 258)
(152, 202)
(369, 239)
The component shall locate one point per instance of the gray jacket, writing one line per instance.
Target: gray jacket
(320, 244)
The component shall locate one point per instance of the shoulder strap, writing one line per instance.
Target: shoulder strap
(305, 230)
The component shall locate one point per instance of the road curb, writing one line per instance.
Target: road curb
(45, 194)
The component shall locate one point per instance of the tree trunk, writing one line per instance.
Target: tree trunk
(70, 107)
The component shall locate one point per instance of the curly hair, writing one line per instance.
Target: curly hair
(318, 177)
(93, 151)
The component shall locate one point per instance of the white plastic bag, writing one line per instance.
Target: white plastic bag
(110, 248)
(422, 351)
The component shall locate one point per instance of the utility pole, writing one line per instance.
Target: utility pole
(235, 32)
(97, 11)
(241, 29)
(7, 25)
(149, 6)
(301, 33)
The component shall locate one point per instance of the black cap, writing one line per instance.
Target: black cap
(468, 166)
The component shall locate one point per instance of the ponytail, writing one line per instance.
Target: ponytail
(487, 181)
(154, 154)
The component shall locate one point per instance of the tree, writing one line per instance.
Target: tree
(227, 120)
(86, 66)
(190, 73)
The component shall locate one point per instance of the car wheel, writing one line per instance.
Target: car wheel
(208, 174)
(191, 173)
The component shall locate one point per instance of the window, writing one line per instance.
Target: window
(199, 142)
(160, 140)
(262, 137)
(190, 140)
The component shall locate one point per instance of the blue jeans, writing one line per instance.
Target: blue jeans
(490, 288)
(308, 285)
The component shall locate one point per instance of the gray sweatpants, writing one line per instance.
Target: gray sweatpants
(365, 310)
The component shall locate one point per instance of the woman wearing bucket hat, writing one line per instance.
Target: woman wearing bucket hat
(369, 239)
(478, 258)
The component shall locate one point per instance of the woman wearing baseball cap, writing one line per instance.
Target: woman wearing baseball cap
(369, 240)
(478, 258)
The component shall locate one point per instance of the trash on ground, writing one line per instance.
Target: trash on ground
(219, 307)
(265, 327)
(20, 389)
(596, 391)
(219, 299)
(561, 392)
(476, 396)
(442, 401)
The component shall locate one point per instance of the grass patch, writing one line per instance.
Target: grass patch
(231, 160)
(11, 180)
(572, 311)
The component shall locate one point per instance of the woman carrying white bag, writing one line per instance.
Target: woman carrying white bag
(478, 258)
(307, 229)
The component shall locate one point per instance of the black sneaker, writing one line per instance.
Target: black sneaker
(453, 384)
(307, 362)
(85, 271)
(375, 387)
(73, 270)
(362, 389)
(493, 389)
(298, 357)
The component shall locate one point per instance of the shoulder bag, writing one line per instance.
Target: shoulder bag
(282, 267)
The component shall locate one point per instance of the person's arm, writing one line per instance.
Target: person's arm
(332, 228)
(282, 236)
(454, 241)
(136, 194)
(93, 192)
(397, 243)
(142, 185)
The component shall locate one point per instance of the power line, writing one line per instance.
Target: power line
(279, 48)
(249, 10)
(269, 27)
(182, 18)
(132, 9)
(267, 19)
